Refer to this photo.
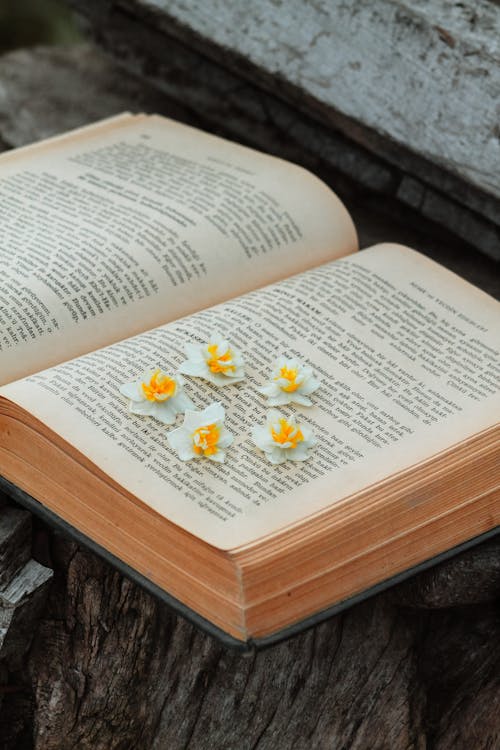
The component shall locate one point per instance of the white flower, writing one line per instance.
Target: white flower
(283, 439)
(157, 395)
(202, 434)
(291, 381)
(216, 361)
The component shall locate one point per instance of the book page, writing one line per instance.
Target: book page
(123, 226)
(407, 355)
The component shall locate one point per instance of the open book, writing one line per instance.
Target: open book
(122, 242)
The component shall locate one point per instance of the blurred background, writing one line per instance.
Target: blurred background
(25, 23)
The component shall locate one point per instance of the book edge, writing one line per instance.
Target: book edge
(251, 645)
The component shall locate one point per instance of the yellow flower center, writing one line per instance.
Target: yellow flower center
(160, 387)
(290, 374)
(205, 440)
(222, 363)
(288, 433)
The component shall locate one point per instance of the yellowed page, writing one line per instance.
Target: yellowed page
(407, 355)
(134, 222)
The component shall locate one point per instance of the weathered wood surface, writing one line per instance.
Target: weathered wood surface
(49, 90)
(402, 97)
(110, 668)
(24, 586)
(15, 543)
(85, 85)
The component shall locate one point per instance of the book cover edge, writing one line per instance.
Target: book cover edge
(254, 644)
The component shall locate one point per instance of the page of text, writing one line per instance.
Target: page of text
(121, 228)
(409, 365)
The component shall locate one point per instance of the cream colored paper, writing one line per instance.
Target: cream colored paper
(408, 358)
(121, 227)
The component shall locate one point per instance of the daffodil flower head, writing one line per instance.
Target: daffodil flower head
(217, 361)
(291, 382)
(157, 395)
(203, 434)
(282, 439)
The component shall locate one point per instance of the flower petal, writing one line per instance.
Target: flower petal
(219, 457)
(180, 440)
(226, 438)
(276, 456)
(132, 391)
(164, 412)
(300, 453)
(298, 398)
(197, 368)
(193, 351)
(213, 413)
(141, 407)
(309, 386)
(181, 402)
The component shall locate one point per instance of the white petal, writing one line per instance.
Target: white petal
(300, 453)
(215, 337)
(181, 401)
(261, 435)
(164, 412)
(141, 407)
(219, 456)
(191, 420)
(276, 456)
(218, 378)
(238, 372)
(213, 413)
(197, 369)
(226, 438)
(308, 434)
(298, 398)
(267, 390)
(132, 390)
(195, 419)
(180, 440)
(222, 348)
(309, 386)
(238, 360)
(193, 351)
(273, 415)
(281, 362)
(281, 399)
(147, 375)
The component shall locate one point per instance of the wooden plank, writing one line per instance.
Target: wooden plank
(15, 542)
(401, 97)
(425, 75)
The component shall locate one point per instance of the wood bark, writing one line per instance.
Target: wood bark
(400, 97)
(111, 668)
(23, 591)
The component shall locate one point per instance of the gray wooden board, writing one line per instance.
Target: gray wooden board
(413, 89)
(425, 74)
